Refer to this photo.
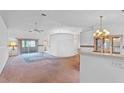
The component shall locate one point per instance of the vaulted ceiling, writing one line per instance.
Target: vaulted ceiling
(25, 19)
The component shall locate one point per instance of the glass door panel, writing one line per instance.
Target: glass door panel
(98, 45)
(106, 45)
(29, 46)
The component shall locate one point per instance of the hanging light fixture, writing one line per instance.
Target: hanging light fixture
(101, 32)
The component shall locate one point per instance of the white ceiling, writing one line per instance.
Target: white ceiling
(87, 17)
(25, 19)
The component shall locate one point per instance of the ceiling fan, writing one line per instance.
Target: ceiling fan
(36, 28)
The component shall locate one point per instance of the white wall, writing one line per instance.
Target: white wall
(101, 69)
(98, 68)
(63, 44)
(86, 37)
(3, 44)
(117, 29)
(13, 34)
(46, 36)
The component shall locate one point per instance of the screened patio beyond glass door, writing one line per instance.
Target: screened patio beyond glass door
(29, 46)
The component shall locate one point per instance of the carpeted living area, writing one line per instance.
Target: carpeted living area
(35, 57)
(47, 70)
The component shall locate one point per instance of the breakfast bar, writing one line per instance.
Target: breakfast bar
(101, 67)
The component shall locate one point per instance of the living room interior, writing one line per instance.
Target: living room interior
(37, 47)
(58, 46)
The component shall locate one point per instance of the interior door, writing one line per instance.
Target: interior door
(62, 44)
(28, 46)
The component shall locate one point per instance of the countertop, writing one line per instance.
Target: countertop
(120, 56)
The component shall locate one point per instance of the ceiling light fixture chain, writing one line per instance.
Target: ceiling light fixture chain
(101, 17)
(36, 29)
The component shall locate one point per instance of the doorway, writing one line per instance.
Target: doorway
(62, 44)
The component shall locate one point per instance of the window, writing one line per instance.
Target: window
(28, 43)
(32, 44)
(23, 43)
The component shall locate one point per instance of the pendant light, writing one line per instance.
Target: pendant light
(101, 32)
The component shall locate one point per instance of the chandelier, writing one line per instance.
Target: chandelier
(101, 32)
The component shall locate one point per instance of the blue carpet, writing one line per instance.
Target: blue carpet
(33, 57)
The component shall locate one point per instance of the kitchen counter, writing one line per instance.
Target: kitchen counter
(101, 67)
(103, 54)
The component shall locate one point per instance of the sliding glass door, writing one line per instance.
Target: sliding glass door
(28, 46)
